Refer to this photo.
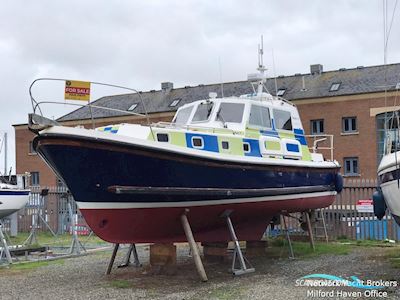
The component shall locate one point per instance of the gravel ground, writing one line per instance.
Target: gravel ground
(275, 278)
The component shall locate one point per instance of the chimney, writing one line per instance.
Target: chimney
(316, 69)
(167, 86)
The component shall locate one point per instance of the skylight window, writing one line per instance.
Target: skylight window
(335, 87)
(132, 107)
(280, 92)
(175, 102)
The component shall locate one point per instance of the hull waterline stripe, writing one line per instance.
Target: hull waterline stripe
(123, 205)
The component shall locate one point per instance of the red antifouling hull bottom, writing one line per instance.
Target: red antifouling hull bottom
(163, 225)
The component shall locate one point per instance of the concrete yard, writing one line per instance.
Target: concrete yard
(275, 277)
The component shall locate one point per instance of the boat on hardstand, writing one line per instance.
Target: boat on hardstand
(12, 199)
(247, 155)
(388, 192)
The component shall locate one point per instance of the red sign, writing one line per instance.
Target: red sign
(365, 202)
(365, 206)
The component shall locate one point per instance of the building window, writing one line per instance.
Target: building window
(31, 149)
(175, 102)
(351, 166)
(335, 87)
(280, 92)
(387, 134)
(132, 107)
(349, 124)
(35, 179)
(317, 126)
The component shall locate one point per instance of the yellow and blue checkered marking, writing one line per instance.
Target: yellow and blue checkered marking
(110, 129)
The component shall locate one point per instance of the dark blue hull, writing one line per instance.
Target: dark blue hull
(93, 170)
(132, 194)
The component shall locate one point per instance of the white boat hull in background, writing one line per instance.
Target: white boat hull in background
(12, 200)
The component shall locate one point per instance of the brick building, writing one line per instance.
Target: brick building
(349, 104)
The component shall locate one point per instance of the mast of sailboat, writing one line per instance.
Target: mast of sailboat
(3, 144)
(5, 153)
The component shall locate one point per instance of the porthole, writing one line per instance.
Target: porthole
(162, 137)
(246, 147)
(197, 142)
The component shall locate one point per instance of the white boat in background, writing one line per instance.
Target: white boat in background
(388, 193)
(12, 199)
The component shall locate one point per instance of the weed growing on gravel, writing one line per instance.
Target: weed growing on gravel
(303, 249)
(32, 265)
(120, 284)
(394, 257)
(225, 293)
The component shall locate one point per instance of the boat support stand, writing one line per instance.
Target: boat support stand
(237, 252)
(193, 246)
(4, 245)
(291, 253)
(132, 249)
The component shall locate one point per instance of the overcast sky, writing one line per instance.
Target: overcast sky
(142, 43)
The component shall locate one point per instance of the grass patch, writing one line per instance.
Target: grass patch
(61, 240)
(393, 255)
(303, 249)
(120, 284)
(36, 264)
(30, 266)
(225, 293)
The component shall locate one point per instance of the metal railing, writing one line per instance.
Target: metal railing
(36, 105)
(322, 142)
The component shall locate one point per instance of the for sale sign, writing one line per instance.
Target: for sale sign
(365, 206)
(77, 90)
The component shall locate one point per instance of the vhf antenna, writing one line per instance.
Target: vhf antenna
(260, 55)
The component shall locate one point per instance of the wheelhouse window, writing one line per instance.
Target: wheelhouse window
(317, 126)
(351, 166)
(349, 124)
(230, 112)
(282, 119)
(203, 112)
(259, 116)
(183, 115)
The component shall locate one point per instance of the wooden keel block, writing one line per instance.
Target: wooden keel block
(215, 251)
(162, 254)
(256, 248)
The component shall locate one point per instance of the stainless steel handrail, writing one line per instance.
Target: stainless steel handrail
(36, 104)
